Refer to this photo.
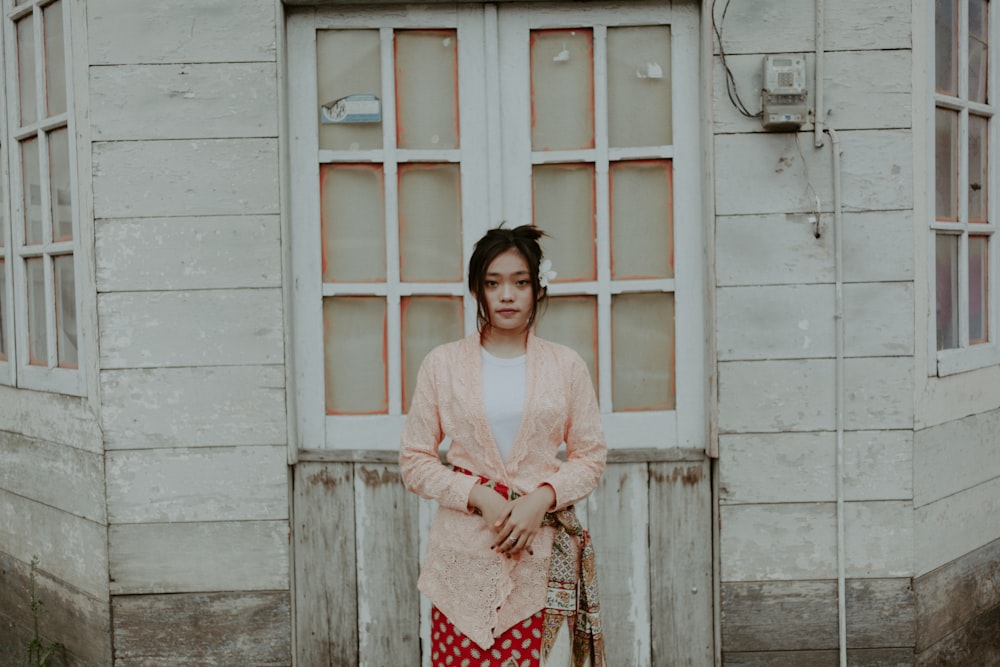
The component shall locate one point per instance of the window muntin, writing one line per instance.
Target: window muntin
(963, 228)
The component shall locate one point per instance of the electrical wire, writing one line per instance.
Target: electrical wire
(731, 90)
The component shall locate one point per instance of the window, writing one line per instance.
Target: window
(39, 330)
(963, 244)
(566, 121)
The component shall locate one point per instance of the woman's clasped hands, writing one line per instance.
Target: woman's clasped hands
(515, 523)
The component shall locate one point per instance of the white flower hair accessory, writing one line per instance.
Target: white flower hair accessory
(545, 273)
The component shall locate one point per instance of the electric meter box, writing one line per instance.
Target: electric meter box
(784, 97)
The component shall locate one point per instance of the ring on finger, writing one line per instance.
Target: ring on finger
(512, 539)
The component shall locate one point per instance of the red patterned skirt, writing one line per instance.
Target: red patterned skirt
(519, 646)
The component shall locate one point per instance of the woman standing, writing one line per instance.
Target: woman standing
(508, 569)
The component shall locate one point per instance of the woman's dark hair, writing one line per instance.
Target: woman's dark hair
(523, 239)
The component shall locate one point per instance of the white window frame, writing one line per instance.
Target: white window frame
(17, 370)
(965, 357)
(503, 198)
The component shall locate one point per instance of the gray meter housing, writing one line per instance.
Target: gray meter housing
(784, 97)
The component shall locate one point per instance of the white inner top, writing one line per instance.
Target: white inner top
(504, 382)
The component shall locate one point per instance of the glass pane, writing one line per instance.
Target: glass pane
(55, 59)
(946, 47)
(27, 88)
(32, 183)
(348, 62)
(353, 222)
(562, 89)
(642, 219)
(978, 168)
(564, 207)
(978, 50)
(427, 89)
(65, 283)
(4, 318)
(430, 222)
(642, 341)
(572, 321)
(639, 104)
(354, 338)
(946, 277)
(38, 354)
(59, 186)
(979, 331)
(427, 322)
(946, 164)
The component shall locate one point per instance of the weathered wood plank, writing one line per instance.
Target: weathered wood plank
(681, 594)
(946, 399)
(70, 548)
(176, 31)
(80, 622)
(230, 556)
(202, 484)
(956, 525)
(188, 253)
(386, 516)
(183, 178)
(61, 476)
(877, 467)
(56, 418)
(232, 628)
(782, 249)
(955, 456)
(616, 512)
(878, 319)
(194, 407)
(955, 594)
(672, 454)
(775, 322)
(802, 615)
(326, 601)
(218, 328)
(766, 173)
(976, 643)
(184, 101)
(872, 657)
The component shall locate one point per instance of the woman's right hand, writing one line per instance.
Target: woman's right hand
(491, 505)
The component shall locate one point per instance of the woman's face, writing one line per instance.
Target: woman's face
(509, 297)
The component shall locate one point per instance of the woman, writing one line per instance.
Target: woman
(508, 569)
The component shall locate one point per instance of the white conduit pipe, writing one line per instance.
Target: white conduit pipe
(838, 315)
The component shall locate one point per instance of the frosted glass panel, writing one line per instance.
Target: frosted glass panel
(978, 168)
(572, 321)
(59, 186)
(55, 59)
(978, 50)
(639, 103)
(353, 223)
(27, 85)
(562, 89)
(430, 222)
(564, 208)
(946, 280)
(32, 184)
(65, 283)
(427, 89)
(38, 354)
(4, 317)
(946, 47)
(642, 220)
(979, 289)
(946, 164)
(354, 339)
(348, 62)
(428, 321)
(642, 335)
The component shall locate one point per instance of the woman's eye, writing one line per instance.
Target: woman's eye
(523, 283)
(491, 283)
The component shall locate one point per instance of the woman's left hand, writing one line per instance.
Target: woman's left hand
(520, 520)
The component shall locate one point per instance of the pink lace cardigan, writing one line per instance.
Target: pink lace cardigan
(481, 592)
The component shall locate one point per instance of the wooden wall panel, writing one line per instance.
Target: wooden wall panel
(326, 594)
(194, 407)
(877, 657)
(878, 319)
(976, 643)
(183, 178)
(233, 628)
(200, 484)
(214, 252)
(955, 456)
(56, 418)
(178, 31)
(952, 527)
(229, 556)
(775, 322)
(184, 101)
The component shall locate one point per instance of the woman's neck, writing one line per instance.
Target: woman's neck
(505, 345)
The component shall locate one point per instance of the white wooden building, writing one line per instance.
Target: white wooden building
(213, 304)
